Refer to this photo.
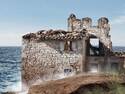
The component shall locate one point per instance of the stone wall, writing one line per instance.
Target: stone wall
(99, 30)
(47, 60)
(113, 64)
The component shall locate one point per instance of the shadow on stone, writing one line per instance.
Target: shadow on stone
(92, 89)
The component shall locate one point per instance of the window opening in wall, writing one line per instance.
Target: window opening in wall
(68, 46)
(94, 42)
(61, 46)
(94, 47)
(114, 67)
(93, 68)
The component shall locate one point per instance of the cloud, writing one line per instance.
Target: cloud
(118, 20)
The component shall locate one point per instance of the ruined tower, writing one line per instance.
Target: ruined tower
(100, 31)
(55, 54)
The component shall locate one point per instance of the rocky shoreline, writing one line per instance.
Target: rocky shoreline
(78, 84)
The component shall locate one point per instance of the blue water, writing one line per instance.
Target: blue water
(10, 66)
(119, 48)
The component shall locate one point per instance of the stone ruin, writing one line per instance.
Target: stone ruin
(55, 54)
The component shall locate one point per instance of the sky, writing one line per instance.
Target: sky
(19, 17)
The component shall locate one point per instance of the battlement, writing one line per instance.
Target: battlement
(101, 30)
(75, 24)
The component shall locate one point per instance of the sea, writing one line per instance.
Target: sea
(10, 68)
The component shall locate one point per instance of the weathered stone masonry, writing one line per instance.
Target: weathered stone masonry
(48, 59)
(55, 54)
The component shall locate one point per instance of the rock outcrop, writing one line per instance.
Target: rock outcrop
(78, 84)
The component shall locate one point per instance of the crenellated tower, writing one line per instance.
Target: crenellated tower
(100, 32)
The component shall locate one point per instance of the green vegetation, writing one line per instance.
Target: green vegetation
(117, 89)
(113, 87)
